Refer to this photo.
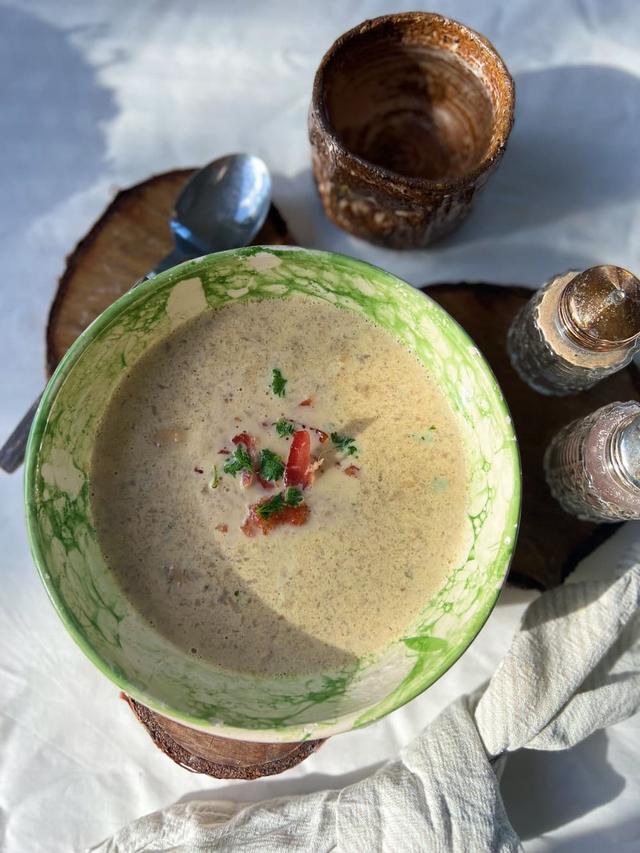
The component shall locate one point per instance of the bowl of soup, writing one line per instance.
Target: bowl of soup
(273, 493)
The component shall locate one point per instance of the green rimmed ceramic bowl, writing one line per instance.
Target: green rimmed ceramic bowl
(88, 599)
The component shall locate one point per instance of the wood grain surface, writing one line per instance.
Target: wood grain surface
(218, 756)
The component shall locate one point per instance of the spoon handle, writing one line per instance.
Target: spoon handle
(12, 451)
(175, 257)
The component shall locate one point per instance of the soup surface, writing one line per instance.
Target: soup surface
(279, 487)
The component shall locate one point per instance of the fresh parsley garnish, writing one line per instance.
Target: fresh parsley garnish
(271, 466)
(285, 428)
(278, 382)
(214, 480)
(238, 461)
(290, 497)
(345, 444)
(271, 506)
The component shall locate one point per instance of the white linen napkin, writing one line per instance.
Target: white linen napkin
(573, 667)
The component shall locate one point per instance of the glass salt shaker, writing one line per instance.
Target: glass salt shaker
(593, 464)
(577, 329)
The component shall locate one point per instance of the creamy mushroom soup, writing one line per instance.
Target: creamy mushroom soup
(280, 487)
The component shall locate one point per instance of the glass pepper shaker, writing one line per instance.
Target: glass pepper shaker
(593, 464)
(577, 329)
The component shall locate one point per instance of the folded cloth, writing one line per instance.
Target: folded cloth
(573, 667)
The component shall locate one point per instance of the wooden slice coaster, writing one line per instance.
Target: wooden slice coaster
(126, 242)
(550, 542)
(219, 756)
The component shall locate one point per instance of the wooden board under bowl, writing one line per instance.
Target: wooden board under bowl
(550, 542)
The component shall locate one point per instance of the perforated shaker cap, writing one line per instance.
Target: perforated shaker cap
(600, 307)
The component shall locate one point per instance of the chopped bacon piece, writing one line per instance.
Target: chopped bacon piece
(297, 470)
(307, 402)
(246, 479)
(323, 436)
(314, 465)
(224, 451)
(249, 526)
(265, 483)
(295, 515)
(352, 471)
(249, 442)
(223, 528)
(246, 439)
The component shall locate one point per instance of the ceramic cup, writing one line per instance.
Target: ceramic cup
(137, 656)
(410, 114)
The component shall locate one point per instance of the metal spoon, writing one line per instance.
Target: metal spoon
(223, 206)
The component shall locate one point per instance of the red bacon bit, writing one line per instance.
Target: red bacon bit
(295, 515)
(199, 470)
(323, 436)
(314, 465)
(307, 402)
(223, 528)
(297, 470)
(246, 479)
(224, 452)
(246, 439)
(266, 484)
(249, 526)
(352, 471)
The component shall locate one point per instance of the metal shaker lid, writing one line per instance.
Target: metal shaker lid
(628, 450)
(601, 307)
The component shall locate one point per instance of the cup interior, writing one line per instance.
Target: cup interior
(418, 95)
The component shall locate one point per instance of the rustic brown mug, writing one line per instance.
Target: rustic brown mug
(409, 116)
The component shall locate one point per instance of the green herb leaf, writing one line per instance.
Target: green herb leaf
(290, 497)
(284, 428)
(345, 444)
(270, 507)
(293, 496)
(238, 461)
(271, 466)
(278, 382)
(214, 480)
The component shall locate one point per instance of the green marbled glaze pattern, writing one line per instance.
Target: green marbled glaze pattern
(87, 597)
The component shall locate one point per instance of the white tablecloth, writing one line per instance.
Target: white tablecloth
(99, 95)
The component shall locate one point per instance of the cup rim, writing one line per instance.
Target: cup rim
(373, 172)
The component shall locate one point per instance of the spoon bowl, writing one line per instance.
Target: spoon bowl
(223, 205)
